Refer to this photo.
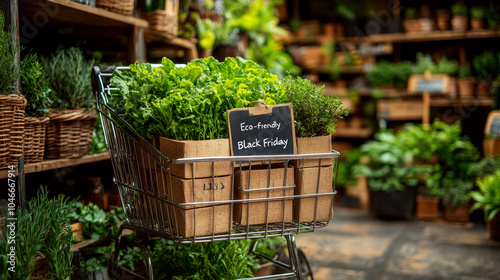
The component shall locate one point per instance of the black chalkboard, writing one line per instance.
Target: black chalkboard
(262, 130)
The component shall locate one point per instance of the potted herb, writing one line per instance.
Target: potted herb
(486, 68)
(34, 86)
(493, 16)
(12, 104)
(410, 23)
(443, 19)
(488, 198)
(459, 20)
(466, 82)
(72, 117)
(477, 15)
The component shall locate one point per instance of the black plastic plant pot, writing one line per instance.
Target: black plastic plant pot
(394, 204)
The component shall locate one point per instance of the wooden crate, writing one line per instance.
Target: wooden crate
(400, 110)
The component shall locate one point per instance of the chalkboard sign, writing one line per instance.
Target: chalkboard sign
(428, 84)
(262, 130)
(492, 127)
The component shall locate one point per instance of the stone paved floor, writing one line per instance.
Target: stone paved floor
(356, 245)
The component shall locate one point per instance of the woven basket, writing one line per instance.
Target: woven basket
(11, 128)
(69, 133)
(165, 20)
(34, 138)
(124, 7)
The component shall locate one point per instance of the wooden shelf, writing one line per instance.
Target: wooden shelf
(58, 163)
(163, 37)
(346, 132)
(66, 11)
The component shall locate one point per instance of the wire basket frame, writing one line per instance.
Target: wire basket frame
(218, 207)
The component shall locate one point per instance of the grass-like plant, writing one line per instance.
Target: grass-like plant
(35, 87)
(9, 66)
(69, 77)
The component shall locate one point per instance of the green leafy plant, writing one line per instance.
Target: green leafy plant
(493, 16)
(314, 114)
(459, 9)
(69, 77)
(478, 12)
(488, 196)
(386, 73)
(98, 142)
(486, 65)
(9, 67)
(410, 13)
(34, 86)
(213, 260)
(445, 66)
(97, 224)
(206, 35)
(464, 71)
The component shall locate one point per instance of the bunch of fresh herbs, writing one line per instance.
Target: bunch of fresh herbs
(35, 87)
(9, 66)
(488, 195)
(69, 76)
(314, 113)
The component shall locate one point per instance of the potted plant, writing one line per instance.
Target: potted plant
(315, 116)
(459, 20)
(34, 86)
(443, 19)
(488, 198)
(12, 104)
(493, 16)
(411, 23)
(392, 177)
(477, 15)
(466, 82)
(486, 68)
(72, 117)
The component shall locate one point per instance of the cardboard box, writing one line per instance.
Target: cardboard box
(308, 181)
(175, 149)
(259, 183)
(198, 218)
(313, 145)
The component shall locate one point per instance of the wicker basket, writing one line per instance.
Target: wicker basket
(34, 138)
(124, 7)
(11, 128)
(165, 20)
(69, 133)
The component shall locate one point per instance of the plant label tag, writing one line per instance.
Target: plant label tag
(492, 127)
(428, 84)
(262, 130)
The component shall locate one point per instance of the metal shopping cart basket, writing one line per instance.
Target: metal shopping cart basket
(262, 196)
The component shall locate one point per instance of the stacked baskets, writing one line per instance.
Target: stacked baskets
(11, 128)
(165, 20)
(124, 7)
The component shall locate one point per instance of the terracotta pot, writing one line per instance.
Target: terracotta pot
(466, 87)
(427, 207)
(443, 21)
(457, 214)
(476, 24)
(494, 228)
(411, 25)
(77, 229)
(483, 89)
(459, 23)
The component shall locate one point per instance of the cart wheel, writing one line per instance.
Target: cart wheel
(307, 273)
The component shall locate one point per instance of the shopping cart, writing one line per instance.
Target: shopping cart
(245, 204)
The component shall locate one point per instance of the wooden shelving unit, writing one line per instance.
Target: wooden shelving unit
(59, 163)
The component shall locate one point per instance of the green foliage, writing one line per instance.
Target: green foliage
(69, 77)
(314, 114)
(486, 166)
(270, 246)
(459, 9)
(493, 16)
(42, 227)
(206, 35)
(386, 73)
(464, 71)
(410, 13)
(478, 12)
(98, 142)
(97, 224)
(190, 103)
(423, 63)
(488, 195)
(34, 86)
(346, 174)
(9, 67)
(200, 261)
(445, 66)
(486, 65)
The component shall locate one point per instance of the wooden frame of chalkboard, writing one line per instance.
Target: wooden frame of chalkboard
(432, 84)
(492, 127)
(262, 130)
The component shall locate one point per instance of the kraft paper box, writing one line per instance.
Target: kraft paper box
(308, 182)
(313, 145)
(208, 218)
(175, 149)
(270, 211)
